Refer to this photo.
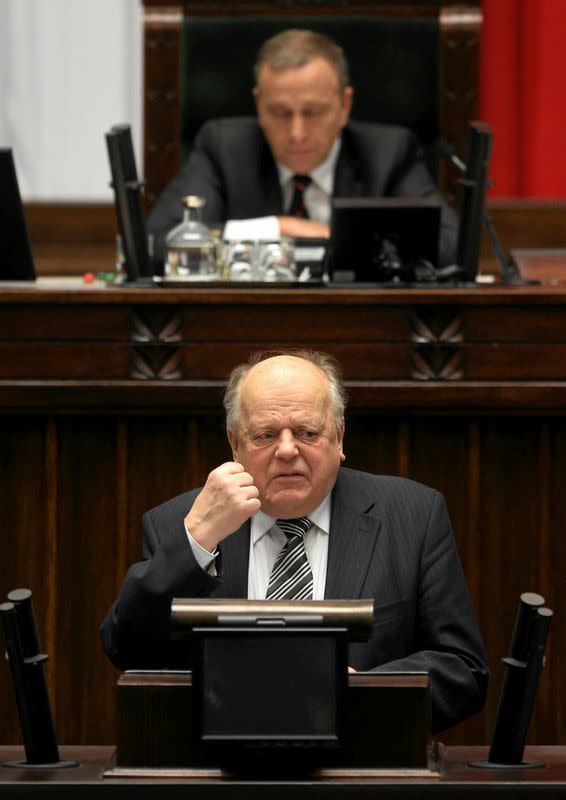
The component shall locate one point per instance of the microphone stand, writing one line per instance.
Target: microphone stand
(26, 661)
(523, 667)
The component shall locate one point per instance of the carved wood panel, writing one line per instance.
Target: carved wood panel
(155, 334)
(437, 334)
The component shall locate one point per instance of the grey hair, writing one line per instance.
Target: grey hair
(326, 363)
(295, 48)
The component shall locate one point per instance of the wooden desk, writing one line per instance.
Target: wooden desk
(457, 780)
(486, 347)
(111, 403)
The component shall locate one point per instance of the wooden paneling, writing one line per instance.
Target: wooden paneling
(62, 322)
(86, 543)
(72, 238)
(25, 533)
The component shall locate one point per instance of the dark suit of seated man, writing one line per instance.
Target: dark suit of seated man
(378, 537)
(244, 167)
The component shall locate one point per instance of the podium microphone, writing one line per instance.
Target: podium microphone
(523, 666)
(23, 653)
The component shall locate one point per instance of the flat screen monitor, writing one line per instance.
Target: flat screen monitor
(379, 240)
(269, 689)
(16, 259)
(128, 203)
(472, 196)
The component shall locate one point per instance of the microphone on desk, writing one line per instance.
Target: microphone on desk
(23, 653)
(510, 272)
(523, 666)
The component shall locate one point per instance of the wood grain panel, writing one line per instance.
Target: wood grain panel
(551, 703)
(167, 456)
(87, 549)
(526, 323)
(370, 443)
(449, 437)
(439, 457)
(61, 322)
(280, 323)
(206, 361)
(63, 360)
(25, 546)
(544, 361)
(359, 361)
(508, 542)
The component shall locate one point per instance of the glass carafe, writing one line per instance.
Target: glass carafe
(190, 246)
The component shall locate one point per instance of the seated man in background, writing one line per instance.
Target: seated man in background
(284, 520)
(286, 166)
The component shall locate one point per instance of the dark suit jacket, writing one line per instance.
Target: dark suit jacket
(231, 166)
(390, 540)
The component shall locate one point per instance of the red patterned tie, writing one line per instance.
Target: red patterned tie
(297, 207)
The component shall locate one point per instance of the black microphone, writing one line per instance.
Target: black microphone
(523, 667)
(26, 661)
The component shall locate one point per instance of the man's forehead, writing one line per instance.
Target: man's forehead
(284, 371)
(254, 418)
(282, 385)
(301, 77)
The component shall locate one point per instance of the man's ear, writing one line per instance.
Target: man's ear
(347, 100)
(233, 440)
(341, 439)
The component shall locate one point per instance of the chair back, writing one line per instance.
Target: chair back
(413, 65)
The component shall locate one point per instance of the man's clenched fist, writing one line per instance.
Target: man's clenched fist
(228, 499)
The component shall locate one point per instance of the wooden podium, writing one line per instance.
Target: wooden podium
(387, 728)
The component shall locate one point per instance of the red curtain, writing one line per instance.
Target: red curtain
(523, 95)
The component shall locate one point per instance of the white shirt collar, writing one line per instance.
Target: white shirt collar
(261, 523)
(323, 175)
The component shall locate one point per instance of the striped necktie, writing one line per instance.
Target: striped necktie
(297, 207)
(291, 578)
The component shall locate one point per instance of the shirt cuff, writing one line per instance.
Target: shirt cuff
(263, 228)
(204, 558)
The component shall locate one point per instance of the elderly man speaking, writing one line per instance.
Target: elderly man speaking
(284, 519)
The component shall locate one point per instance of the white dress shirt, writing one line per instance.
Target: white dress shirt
(266, 542)
(318, 201)
(318, 194)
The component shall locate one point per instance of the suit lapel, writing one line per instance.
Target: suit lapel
(354, 528)
(235, 554)
(272, 197)
(347, 178)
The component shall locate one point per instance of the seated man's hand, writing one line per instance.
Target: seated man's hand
(298, 227)
(229, 497)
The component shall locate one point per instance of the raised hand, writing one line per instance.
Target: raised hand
(229, 497)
